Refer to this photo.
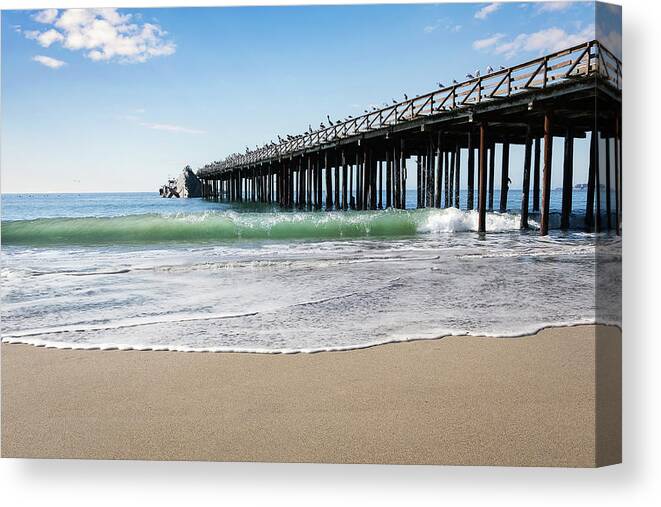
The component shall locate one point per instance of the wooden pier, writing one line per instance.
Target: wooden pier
(355, 163)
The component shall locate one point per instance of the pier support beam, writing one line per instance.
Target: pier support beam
(608, 184)
(438, 172)
(446, 179)
(389, 172)
(597, 182)
(482, 181)
(345, 171)
(457, 176)
(546, 177)
(504, 177)
(492, 169)
(567, 179)
(450, 176)
(403, 175)
(329, 190)
(420, 187)
(618, 176)
(525, 190)
(535, 177)
(471, 173)
(380, 189)
(589, 199)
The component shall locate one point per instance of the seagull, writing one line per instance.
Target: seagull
(489, 69)
(440, 85)
(502, 68)
(477, 73)
(470, 76)
(349, 116)
(279, 139)
(406, 97)
(329, 120)
(322, 126)
(394, 101)
(454, 81)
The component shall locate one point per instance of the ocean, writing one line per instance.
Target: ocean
(136, 271)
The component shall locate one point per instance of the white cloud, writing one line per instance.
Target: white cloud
(171, 128)
(441, 23)
(543, 41)
(484, 12)
(554, 6)
(47, 16)
(45, 39)
(104, 34)
(48, 61)
(488, 42)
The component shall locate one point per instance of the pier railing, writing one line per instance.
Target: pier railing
(580, 61)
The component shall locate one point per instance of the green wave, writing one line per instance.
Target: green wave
(209, 227)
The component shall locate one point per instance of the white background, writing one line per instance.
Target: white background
(636, 482)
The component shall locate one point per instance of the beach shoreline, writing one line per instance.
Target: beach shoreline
(528, 401)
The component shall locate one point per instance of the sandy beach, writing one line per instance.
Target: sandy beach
(526, 401)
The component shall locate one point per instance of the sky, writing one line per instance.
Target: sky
(121, 99)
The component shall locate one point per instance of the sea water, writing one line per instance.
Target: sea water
(133, 270)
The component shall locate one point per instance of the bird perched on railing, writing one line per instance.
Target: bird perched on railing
(454, 81)
(502, 68)
(406, 97)
(322, 126)
(489, 69)
(329, 120)
(477, 73)
(440, 85)
(470, 76)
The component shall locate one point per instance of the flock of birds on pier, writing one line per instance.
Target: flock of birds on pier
(288, 138)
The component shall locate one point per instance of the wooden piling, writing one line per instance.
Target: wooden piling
(403, 176)
(451, 177)
(567, 179)
(380, 190)
(438, 172)
(482, 182)
(351, 177)
(546, 176)
(608, 184)
(457, 176)
(589, 199)
(536, 175)
(446, 178)
(328, 173)
(388, 179)
(504, 177)
(471, 174)
(345, 174)
(597, 183)
(618, 176)
(525, 190)
(420, 187)
(492, 169)
(336, 187)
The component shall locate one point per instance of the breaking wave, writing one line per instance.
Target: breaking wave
(230, 225)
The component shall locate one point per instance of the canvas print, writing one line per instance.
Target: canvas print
(341, 234)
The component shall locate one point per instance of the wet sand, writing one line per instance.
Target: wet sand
(528, 401)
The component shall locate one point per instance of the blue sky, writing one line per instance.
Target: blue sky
(119, 99)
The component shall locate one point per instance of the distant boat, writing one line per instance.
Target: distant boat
(584, 186)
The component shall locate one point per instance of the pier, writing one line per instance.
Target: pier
(362, 163)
